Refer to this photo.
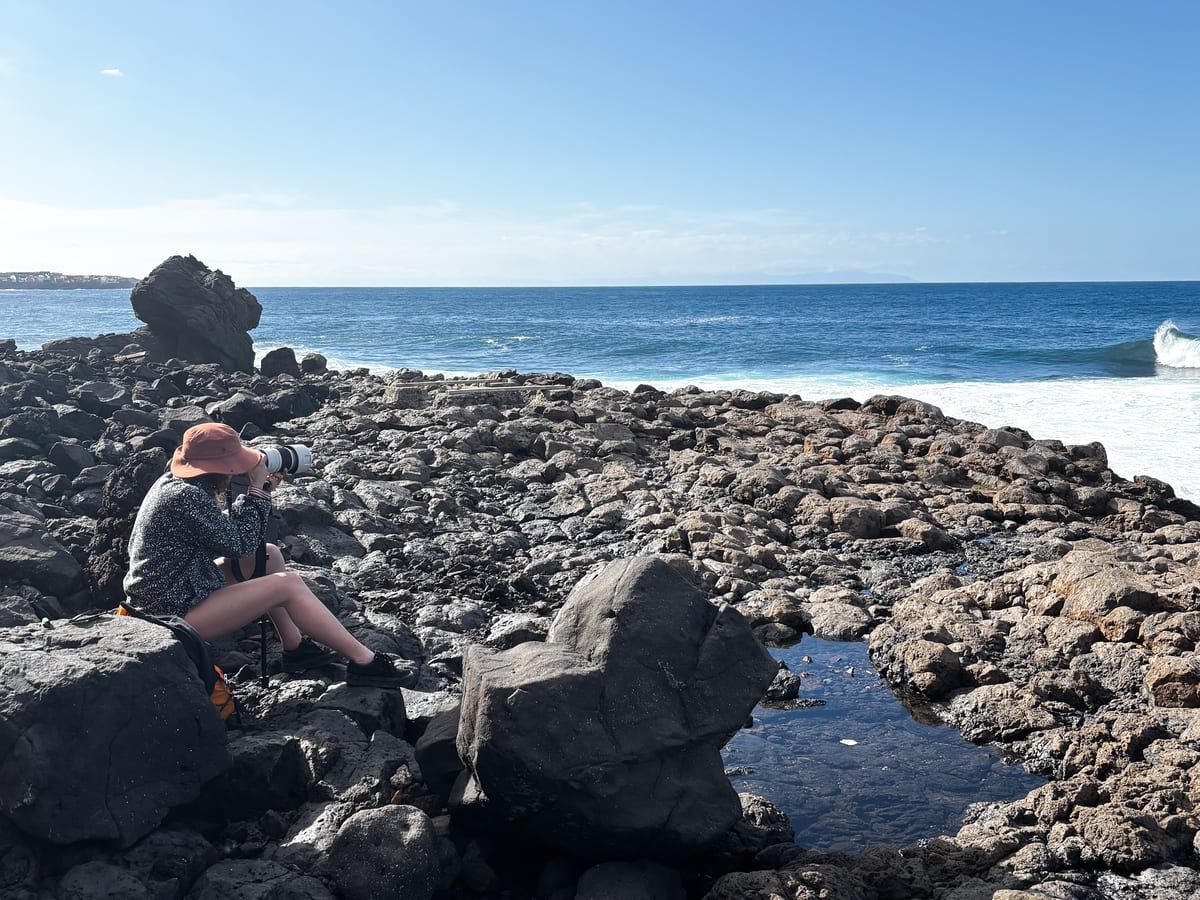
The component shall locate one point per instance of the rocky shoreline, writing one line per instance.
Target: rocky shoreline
(1018, 586)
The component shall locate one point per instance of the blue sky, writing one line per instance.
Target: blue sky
(523, 143)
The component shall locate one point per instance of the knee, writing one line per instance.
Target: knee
(290, 583)
(275, 561)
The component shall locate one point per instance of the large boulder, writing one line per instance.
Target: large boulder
(280, 361)
(104, 726)
(606, 738)
(197, 314)
(383, 853)
(1174, 681)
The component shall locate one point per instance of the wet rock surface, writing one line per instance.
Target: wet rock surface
(1030, 595)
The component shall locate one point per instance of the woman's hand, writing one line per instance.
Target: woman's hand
(258, 474)
(259, 477)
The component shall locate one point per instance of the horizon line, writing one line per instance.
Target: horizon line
(702, 284)
(697, 284)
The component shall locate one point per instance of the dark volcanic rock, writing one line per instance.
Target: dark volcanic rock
(197, 314)
(18, 864)
(280, 361)
(387, 852)
(104, 726)
(108, 550)
(29, 553)
(256, 879)
(645, 681)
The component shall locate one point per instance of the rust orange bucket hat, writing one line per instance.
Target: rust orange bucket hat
(212, 448)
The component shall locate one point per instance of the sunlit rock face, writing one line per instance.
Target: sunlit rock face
(606, 738)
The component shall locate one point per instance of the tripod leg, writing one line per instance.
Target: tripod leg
(263, 678)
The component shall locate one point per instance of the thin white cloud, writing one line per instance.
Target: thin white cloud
(112, 73)
(282, 240)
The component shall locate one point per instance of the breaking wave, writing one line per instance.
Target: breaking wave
(1176, 349)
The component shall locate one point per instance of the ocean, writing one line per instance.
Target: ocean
(1117, 363)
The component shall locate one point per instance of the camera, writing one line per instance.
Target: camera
(290, 459)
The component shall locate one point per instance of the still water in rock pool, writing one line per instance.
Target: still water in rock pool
(859, 769)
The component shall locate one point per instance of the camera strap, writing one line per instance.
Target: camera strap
(260, 569)
(260, 565)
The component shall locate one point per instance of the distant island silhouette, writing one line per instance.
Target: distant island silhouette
(58, 281)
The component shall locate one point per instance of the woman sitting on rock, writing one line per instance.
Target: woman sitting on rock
(182, 546)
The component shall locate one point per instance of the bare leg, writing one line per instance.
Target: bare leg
(236, 605)
(289, 634)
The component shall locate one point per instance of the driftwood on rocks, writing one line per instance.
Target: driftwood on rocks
(644, 681)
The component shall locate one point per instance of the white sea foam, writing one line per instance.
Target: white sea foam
(1148, 426)
(1176, 349)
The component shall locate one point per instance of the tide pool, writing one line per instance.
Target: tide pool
(859, 769)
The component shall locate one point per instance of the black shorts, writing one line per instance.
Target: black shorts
(260, 565)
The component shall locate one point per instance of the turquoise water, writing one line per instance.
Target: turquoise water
(860, 769)
(1079, 362)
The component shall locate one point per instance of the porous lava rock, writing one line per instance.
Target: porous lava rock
(104, 726)
(256, 879)
(386, 852)
(1032, 595)
(28, 553)
(108, 550)
(197, 314)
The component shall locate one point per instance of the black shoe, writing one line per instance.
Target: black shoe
(307, 655)
(379, 672)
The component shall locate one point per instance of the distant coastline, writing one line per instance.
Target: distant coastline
(27, 281)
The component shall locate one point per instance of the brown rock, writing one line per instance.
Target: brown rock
(1094, 587)
(857, 517)
(1000, 712)
(927, 533)
(1122, 624)
(1174, 681)
(931, 668)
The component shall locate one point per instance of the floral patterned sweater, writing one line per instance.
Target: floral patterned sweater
(178, 532)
